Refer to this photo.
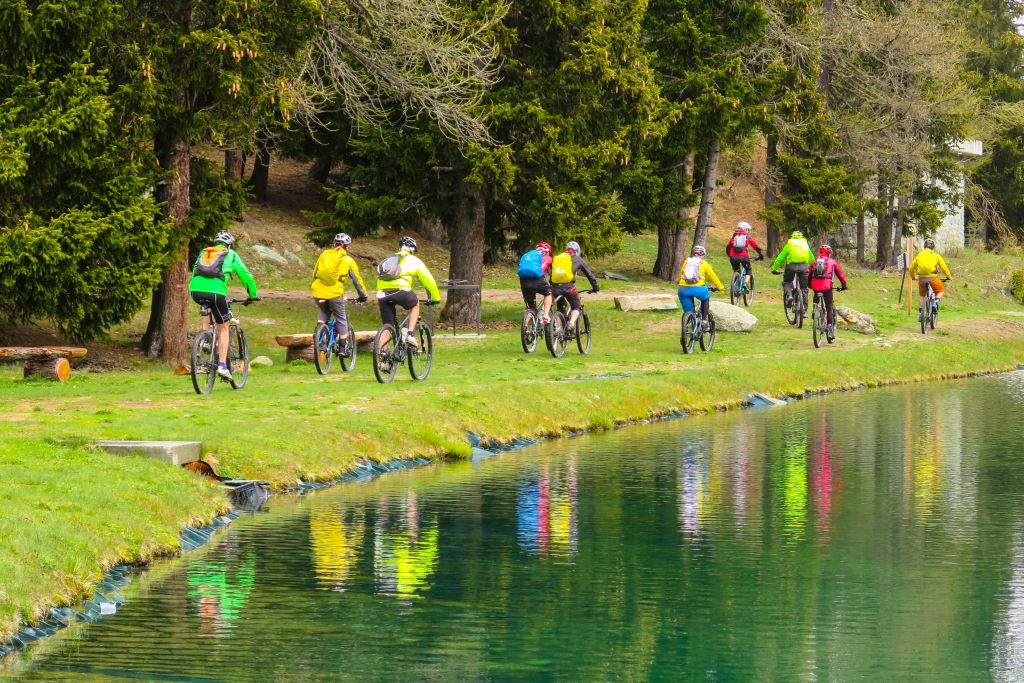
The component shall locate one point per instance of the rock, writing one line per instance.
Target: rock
(268, 254)
(764, 400)
(849, 319)
(647, 302)
(292, 258)
(263, 361)
(729, 318)
(612, 275)
(173, 452)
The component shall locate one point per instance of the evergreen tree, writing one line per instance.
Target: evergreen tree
(80, 243)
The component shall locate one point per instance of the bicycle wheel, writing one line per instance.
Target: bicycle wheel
(203, 362)
(557, 334)
(924, 319)
(933, 315)
(748, 291)
(707, 339)
(735, 288)
(819, 325)
(787, 303)
(688, 338)
(800, 310)
(528, 331)
(238, 357)
(421, 359)
(322, 353)
(350, 348)
(583, 333)
(384, 365)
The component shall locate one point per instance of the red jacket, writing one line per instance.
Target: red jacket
(741, 253)
(823, 284)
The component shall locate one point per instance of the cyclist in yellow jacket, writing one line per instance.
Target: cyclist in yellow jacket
(332, 269)
(395, 289)
(925, 268)
(693, 283)
(797, 257)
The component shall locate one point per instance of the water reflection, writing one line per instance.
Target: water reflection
(219, 589)
(547, 510)
(336, 535)
(825, 480)
(405, 551)
(693, 477)
(794, 483)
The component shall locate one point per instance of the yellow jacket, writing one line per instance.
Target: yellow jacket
(706, 273)
(926, 265)
(411, 268)
(332, 269)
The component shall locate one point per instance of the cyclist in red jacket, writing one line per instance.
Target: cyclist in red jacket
(823, 270)
(738, 250)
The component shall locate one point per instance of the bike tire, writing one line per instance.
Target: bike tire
(819, 325)
(790, 307)
(748, 292)
(933, 317)
(687, 340)
(384, 365)
(707, 339)
(322, 354)
(734, 289)
(528, 331)
(203, 363)
(421, 360)
(348, 360)
(583, 329)
(238, 357)
(558, 323)
(801, 310)
(922, 318)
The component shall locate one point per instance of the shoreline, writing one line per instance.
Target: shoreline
(481, 446)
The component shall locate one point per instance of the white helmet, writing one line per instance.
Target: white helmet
(699, 250)
(743, 226)
(343, 240)
(224, 237)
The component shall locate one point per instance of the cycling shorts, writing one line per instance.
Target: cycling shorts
(935, 283)
(570, 294)
(387, 299)
(802, 271)
(335, 306)
(532, 287)
(220, 311)
(736, 261)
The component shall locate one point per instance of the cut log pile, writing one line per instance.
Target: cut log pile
(50, 362)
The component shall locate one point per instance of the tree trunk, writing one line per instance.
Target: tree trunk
(432, 228)
(234, 164)
(860, 235)
(51, 368)
(467, 253)
(883, 250)
(897, 233)
(260, 177)
(167, 333)
(825, 67)
(707, 194)
(672, 237)
(771, 195)
(321, 169)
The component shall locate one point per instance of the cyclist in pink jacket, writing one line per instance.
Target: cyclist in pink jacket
(823, 270)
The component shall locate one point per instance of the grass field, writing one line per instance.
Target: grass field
(71, 511)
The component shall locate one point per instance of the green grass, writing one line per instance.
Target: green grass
(75, 510)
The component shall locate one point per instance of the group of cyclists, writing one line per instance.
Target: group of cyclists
(540, 274)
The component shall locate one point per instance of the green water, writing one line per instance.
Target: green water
(875, 535)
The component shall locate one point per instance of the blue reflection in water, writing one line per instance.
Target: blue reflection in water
(547, 505)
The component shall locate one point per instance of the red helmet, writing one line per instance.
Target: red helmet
(824, 250)
(543, 247)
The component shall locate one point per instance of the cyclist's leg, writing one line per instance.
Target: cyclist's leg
(337, 307)
(830, 309)
(221, 314)
(204, 299)
(686, 298)
(408, 300)
(323, 310)
(747, 273)
(529, 296)
(544, 288)
(576, 305)
(703, 294)
(922, 292)
(787, 279)
(802, 275)
(387, 310)
(939, 289)
(735, 262)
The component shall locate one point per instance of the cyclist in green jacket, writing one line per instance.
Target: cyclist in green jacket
(797, 257)
(209, 287)
(397, 291)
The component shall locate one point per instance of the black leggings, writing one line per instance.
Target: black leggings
(406, 298)
(829, 304)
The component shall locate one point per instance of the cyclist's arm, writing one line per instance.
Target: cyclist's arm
(781, 258)
(584, 267)
(710, 274)
(427, 280)
(912, 269)
(357, 279)
(196, 264)
(243, 274)
(840, 275)
(945, 268)
(728, 248)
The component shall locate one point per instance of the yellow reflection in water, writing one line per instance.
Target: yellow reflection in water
(336, 535)
(794, 485)
(404, 558)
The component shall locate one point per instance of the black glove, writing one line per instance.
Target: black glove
(843, 288)
(361, 300)
(595, 289)
(760, 257)
(433, 302)
(776, 272)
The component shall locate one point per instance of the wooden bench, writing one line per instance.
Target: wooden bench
(46, 361)
(300, 346)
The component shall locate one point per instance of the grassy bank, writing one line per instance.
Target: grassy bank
(75, 510)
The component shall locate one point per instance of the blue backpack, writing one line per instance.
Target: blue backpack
(531, 265)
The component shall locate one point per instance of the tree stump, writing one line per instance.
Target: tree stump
(50, 368)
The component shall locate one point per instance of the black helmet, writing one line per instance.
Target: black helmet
(408, 243)
(224, 237)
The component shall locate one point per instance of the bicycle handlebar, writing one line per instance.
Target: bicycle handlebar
(244, 302)
(429, 302)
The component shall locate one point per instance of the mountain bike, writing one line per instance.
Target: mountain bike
(929, 310)
(794, 301)
(531, 329)
(693, 331)
(819, 321)
(558, 330)
(391, 350)
(739, 288)
(327, 343)
(203, 360)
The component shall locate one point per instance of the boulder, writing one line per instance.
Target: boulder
(263, 361)
(612, 275)
(268, 254)
(647, 302)
(729, 318)
(849, 319)
(292, 258)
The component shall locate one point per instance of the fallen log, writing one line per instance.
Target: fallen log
(58, 369)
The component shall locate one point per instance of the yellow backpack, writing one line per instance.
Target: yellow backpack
(561, 269)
